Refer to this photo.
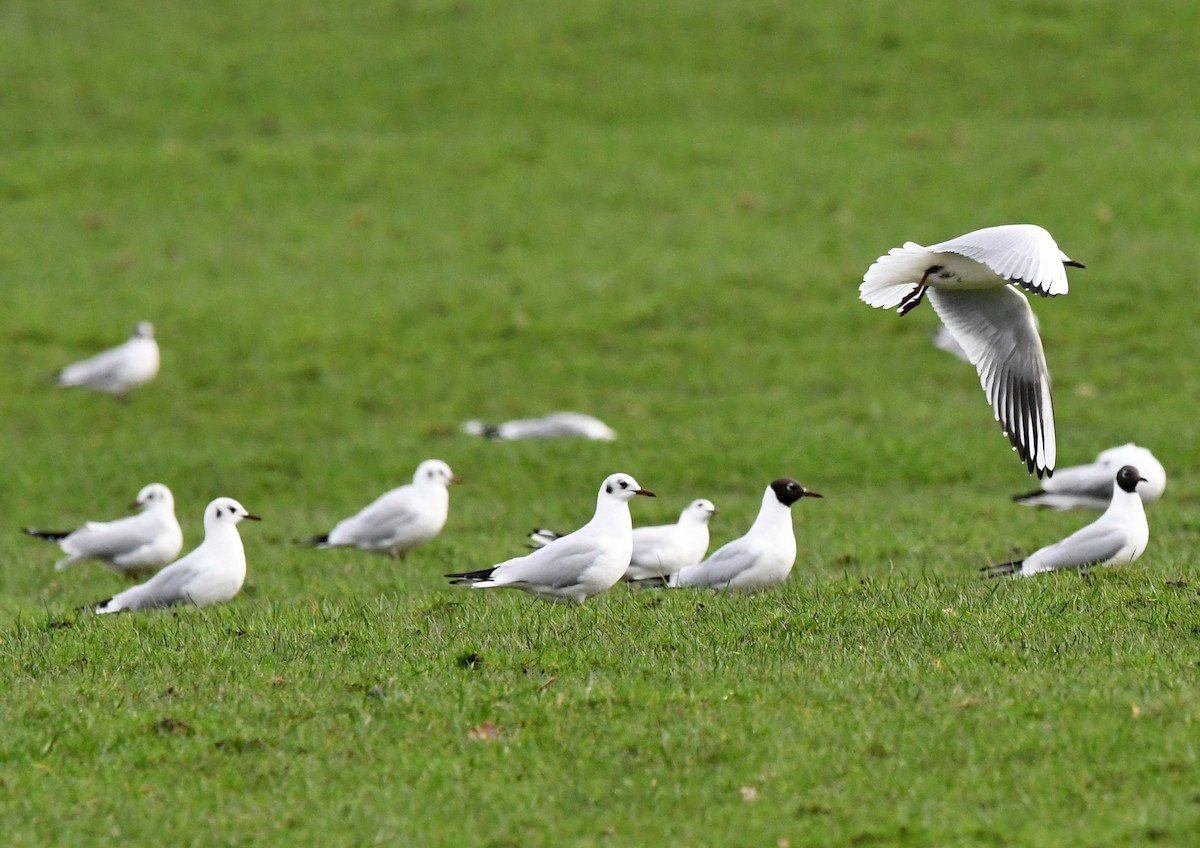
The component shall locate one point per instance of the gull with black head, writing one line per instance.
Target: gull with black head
(1117, 537)
(761, 558)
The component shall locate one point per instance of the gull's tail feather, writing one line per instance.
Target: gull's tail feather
(1003, 568)
(894, 278)
(98, 606)
(321, 541)
(649, 583)
(470, 578)
(48, 535)
(1038, 497)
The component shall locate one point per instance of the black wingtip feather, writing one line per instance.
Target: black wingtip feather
(1003, 568)
(470, 576)
(49, 535)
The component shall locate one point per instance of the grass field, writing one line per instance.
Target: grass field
(356, 227)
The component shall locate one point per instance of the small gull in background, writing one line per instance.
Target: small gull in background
(761, 558)
(579, 565)
(211, 574)
(137, 543)
(556, 425)
(972, 283)
(399, 520)
(1118, 536)
(661, 550)
(119, 369)
(1090, 486)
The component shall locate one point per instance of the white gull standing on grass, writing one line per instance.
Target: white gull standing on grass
(556, 425)
(211, 574)
(761, 558)
(1090, 486)
(972, 283)
(579, 565)
(129, 545)
(660, 550)
(1118, 536)
(118, 369)
(399, 520)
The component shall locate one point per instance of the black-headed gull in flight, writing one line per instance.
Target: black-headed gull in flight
(399, 520)
(213, 573)
(556, 425)
(1118, 536)
(136, 543)
(579, 565)
(1090, 486)
(660, 550)
(119, 369)
(761, 558)
(972, 282)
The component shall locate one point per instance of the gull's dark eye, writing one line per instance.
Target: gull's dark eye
(624, 485)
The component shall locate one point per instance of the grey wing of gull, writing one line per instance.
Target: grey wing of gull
(558, 565)
(164, 589)
(106, 540)
(997, 330)
(1095, 481)
(104, 365)
(1092, 545)
(377, 523)
(724, 565)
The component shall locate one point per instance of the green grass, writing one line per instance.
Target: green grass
(355, 228)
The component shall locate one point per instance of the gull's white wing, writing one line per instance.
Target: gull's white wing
(1094, 480)
(167, 588)
(558, 565)
(387, 517)
(1024, 254)
(996, 328)
(108, 539)
(726, 563)
(101, 368)
(1095, 544)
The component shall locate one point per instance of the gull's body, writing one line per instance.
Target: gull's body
(972, 283)
(661, 550)
(1090, 486)
(119, 369)
(579, 565)
(556, 425)
(1118, 536)
(130, 545)
(399, 520)
(761, 558)
(211, 574)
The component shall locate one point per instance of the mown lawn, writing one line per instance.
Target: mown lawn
(356, 227)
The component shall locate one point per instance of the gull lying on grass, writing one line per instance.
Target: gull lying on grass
(761, 558)
(1118, 536)
(399, 520)
(119, 369)
(660, 551)
(130, 545)
(556, 425)
(211, 574)
(1090, 486)
(579, 565)
(972, 283)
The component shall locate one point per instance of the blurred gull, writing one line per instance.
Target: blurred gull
(761, 558)
(399, 520)
(138, 543)
(118, 369)
(556, 425)
(660, 551)
(1118, 536)
(972, 283)
(579, 565)
(1090, 486)
(211, 574)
